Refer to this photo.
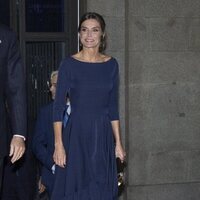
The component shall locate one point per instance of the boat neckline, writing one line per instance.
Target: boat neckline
(111, 58)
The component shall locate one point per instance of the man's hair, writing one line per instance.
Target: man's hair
(54, 73)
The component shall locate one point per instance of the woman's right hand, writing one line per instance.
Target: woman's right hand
(59, 155)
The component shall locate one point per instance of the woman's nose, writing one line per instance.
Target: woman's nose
(89, 33)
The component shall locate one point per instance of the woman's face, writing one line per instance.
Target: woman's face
(90, 33)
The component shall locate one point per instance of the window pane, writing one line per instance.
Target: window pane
(45, 15)
(41, 59)
(5, 12)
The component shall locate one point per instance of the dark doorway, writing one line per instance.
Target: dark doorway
(48, 33)
(5, 12)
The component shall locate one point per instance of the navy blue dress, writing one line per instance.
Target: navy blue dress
(90, 173)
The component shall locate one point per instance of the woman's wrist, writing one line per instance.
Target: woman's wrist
(118, 143)
(58, 143)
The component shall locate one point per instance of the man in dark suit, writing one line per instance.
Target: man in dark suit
(12, 99)
(43, 140)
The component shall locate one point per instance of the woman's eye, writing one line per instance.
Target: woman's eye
(96, 30)
(83, 29)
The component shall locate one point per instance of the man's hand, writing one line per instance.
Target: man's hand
(17, 148)
(41, 187)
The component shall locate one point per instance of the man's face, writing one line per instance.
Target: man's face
(53, 86)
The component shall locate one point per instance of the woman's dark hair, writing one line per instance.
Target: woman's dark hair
(99, 18)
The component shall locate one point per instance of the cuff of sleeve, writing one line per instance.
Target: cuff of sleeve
(53, 169)
(21, 136)
(114, 117)
(58, 113)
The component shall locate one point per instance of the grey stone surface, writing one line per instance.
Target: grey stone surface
(158, 8)
(165, 192)
(170, 34)
(115, 33)
(170, 8)
(164, 8)
(136, 8)
(107, 8)
(164, 67)
(164, 117)
(139, 34)
(159, 70)
(194, 35)
(190, 8)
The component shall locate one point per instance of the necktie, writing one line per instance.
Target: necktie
(65, 117)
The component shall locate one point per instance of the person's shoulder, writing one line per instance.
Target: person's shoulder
(115, 62)
(112, 61)
(67, 59)
(4, 28)
(66, 62)
(6, 31)
(46, 108)
(114, 66)
(106, 58)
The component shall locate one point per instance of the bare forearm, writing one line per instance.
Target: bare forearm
(58, 133)
(119, 150)
(116, 131)
(59, 155)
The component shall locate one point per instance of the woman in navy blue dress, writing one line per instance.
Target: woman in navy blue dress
(86, 150)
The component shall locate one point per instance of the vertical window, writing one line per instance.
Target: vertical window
(45, 15)
(5, 12)
(48, 33)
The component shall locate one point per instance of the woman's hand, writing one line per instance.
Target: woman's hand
(119, 152)
(59, 155)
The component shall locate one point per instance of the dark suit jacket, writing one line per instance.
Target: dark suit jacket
(12, 91)
(43, 144)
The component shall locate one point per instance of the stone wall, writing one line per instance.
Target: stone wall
(157, 43)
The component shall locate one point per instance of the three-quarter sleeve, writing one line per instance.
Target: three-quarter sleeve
(63, 86)
(113, 102)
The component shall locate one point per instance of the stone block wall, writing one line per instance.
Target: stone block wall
(157, 44)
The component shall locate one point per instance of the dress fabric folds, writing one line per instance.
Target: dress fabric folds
(90, 172)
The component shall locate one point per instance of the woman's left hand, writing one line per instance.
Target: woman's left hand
(119, 152)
